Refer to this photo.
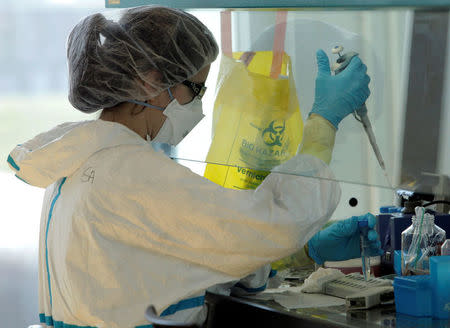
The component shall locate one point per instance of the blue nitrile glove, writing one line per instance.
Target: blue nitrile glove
(336, 96)
(340, 241)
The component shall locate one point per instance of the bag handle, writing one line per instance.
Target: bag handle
(278, 41)
(225, 32)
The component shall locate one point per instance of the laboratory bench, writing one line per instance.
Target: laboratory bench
(228, 311)
(237, 312)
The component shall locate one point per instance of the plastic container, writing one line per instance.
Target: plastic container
(407, 321)
(420, 241)
(385, 209)
(412, 295)
(396, 209)
(440, 284)
(398, 263)
(445, 249)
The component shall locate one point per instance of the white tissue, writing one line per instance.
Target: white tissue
(316, 281)
(293, 298)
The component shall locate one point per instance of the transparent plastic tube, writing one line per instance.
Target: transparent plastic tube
(365, 258)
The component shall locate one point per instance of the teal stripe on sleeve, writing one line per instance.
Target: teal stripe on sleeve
(21, 179)
(272, 274)
(184, 305)
(12, 163)
(251, 290)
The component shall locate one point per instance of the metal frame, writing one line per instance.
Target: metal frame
(291, 4)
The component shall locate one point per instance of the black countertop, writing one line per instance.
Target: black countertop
(228, 311)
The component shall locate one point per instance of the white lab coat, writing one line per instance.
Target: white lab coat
(124, 226)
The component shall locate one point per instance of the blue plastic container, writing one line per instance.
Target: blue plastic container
(398, 262)
(440, 284)
(407, 321)
(413, 295)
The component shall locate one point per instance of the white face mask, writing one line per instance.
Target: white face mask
(181, 119)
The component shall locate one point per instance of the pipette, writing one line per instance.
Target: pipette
(363, 226)
(360, 114)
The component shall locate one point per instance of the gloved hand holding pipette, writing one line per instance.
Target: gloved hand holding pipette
(348, 91)
(341, 241)
(337, 96)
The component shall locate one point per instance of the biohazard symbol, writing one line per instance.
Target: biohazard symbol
(273, 135)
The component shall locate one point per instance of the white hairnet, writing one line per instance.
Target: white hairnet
(145, 51)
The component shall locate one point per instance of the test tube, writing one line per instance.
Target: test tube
(365, 258)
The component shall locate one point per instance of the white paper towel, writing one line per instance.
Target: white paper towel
(293, 298)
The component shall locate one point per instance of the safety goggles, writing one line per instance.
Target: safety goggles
(198, 89)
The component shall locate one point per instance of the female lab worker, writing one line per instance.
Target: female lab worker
(124, 226)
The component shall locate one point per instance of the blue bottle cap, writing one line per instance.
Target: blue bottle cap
(385, 209)
(395, 209)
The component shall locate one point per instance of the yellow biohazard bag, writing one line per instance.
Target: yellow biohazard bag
(257, 122)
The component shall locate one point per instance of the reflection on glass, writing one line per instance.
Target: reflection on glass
(353, 158)
(383, 41)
